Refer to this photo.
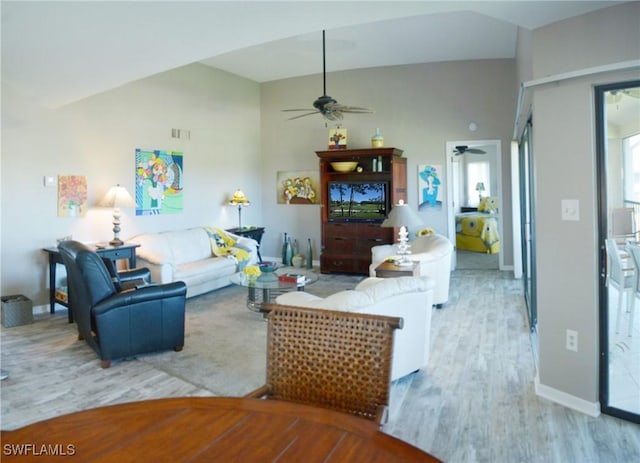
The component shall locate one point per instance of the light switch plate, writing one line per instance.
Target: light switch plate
(570, 209)
(49, 180)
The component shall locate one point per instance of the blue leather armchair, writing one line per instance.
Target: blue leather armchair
(121, 323)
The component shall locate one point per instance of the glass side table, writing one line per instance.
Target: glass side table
(263, 291)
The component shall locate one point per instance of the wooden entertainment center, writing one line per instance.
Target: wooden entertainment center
(347, 240)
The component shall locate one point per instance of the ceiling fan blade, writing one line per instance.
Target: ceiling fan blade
(303, 115)
(358, 110)
(300, 109)
(461, 149)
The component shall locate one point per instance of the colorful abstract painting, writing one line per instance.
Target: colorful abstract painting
(429, 186)
(159, 182)
(298, 187)
(72, 196)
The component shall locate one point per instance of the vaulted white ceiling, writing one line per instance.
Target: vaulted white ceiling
(54, 53)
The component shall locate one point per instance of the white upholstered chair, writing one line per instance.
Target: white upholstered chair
(432, 252)
(409, 298)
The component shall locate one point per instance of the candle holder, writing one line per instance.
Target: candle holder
(403, 247)
(402, 216)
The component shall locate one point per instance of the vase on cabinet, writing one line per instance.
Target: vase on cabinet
(377, 141)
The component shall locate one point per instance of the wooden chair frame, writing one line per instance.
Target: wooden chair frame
(332, 359)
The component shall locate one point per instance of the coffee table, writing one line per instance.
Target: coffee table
(271, 287)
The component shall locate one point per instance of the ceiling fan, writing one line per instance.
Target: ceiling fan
(461, 149)
(330, 109)
(614, 96)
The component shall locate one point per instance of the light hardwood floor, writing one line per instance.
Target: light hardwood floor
(475, 402)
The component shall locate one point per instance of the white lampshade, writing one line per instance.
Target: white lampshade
(117, 196)
(402, 215)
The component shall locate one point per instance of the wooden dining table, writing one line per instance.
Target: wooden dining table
(206, 429)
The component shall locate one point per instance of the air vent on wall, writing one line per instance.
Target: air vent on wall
(181, 134)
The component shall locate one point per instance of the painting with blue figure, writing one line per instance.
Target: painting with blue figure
(429, 186)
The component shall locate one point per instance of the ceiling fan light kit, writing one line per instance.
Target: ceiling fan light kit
(329, 108)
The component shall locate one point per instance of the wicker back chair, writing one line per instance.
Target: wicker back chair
(336, 360)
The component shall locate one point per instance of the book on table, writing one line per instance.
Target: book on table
(292, 278)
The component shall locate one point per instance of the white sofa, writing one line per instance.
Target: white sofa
(434, 255)
(407, 297)
(186, 255)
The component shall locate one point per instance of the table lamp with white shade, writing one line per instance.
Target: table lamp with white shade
(117, 197)
(402, 216)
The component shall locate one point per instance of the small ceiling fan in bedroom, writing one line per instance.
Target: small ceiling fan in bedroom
(330, 109)
(461, 149)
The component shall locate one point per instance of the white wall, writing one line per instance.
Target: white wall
(239, 139)
(417, 108)
(97, 137)
(565, 168)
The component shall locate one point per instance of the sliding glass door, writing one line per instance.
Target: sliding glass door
(527, 224)
(617, 108)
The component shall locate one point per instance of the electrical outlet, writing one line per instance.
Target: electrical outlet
(572, 340)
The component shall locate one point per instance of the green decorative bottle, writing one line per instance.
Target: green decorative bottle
(284, 249)
(288, 253)
(309, 258)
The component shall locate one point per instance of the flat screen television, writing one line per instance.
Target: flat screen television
(358, 201)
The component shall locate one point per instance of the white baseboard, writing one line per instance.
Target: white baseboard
(567, 400)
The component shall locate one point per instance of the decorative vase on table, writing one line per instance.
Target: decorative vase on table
(284, 249)
(297, 260)
(288, 253)
(309, 258)
(377, 141)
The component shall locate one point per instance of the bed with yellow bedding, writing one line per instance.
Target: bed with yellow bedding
(478, 232)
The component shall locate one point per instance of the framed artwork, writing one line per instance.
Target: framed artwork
(298, 187)
(429, 186)
(159, 182)
(338, 139)
(72, 196)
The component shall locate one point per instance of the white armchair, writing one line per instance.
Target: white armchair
(432, 252)
(410, 298)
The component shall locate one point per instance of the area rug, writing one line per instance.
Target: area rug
(224, 355)
(225, 341)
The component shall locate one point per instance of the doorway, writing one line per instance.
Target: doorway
(474, 192)
(617, 109)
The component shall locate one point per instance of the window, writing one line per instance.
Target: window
(631, 155)
(478, 172)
